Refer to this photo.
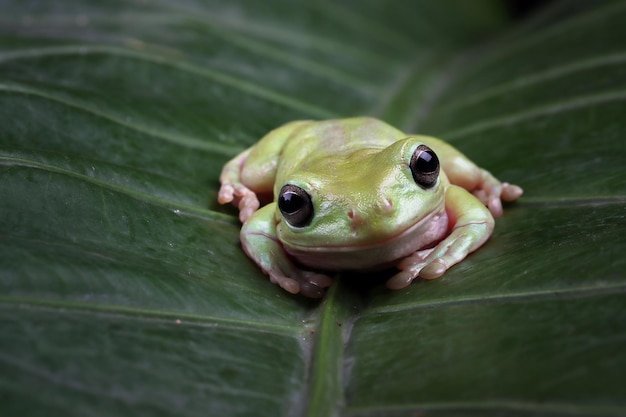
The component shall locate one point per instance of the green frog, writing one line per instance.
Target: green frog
(358, 194)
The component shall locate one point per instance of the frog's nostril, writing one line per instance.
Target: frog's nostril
(385, 206)
(356, 220)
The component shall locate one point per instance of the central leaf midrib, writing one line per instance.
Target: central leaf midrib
(326, 379)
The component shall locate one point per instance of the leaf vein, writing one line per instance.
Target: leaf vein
(539, 77)
(558, 408)
(286, 35)
(541, 111)
(175, 207)
(531, 295)
(178, 139)
(148, 315)
(551, 30)
(224, 79)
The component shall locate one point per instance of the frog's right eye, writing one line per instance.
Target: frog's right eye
(295, 205)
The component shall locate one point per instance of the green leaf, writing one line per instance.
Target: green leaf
(123, 287)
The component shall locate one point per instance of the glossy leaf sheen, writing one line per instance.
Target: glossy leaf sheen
(123, 287)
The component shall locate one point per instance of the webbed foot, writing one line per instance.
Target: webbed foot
(492, 192)
(308, 283)
(241, 197)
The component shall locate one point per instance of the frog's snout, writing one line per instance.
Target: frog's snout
(383, 208)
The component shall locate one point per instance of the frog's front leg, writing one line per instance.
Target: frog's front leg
(472, 224)
(259, 241)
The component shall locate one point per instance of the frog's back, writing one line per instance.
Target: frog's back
(341, 136)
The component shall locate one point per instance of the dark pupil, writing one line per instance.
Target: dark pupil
(290, 202)
(426, 162)
(295, 205)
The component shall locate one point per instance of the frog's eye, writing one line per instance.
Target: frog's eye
(424, 166)
(295, 205)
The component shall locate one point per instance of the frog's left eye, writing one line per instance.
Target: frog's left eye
(424, 166)
(295, 205)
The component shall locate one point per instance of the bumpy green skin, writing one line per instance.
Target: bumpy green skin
(369, 212)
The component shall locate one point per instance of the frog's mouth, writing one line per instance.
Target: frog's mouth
(420, 235)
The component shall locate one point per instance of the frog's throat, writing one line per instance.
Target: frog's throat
(427, 232)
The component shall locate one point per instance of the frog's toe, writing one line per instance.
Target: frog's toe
(409, 268)
(414, 261)
(400, 280)
(413, 267)
(317, 279)
(312, 291)
(225, 194)
(433, 270)
(248, 203)
(493, 196)
(495, 206)
(511, 192)
(288, 284)
(481, 195)
(241, 197)
(489, 194)
(312, 284)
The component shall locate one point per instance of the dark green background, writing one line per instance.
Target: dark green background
(123, 288)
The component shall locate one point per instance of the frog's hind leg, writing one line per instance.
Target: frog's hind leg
(253, 171)
(492, 192)
(464, 173)
(232, 189)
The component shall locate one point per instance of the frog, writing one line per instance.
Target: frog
(319, 197)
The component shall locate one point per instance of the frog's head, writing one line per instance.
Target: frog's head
(363, 208)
